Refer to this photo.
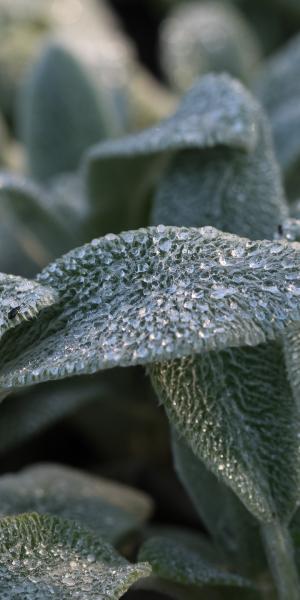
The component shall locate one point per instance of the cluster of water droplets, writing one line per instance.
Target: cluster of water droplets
(156, 294)
(21, 299)
(45, 558)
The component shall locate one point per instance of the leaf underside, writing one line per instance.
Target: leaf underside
(152, 295)
(51, 558)
(236, 410)
(234, 531)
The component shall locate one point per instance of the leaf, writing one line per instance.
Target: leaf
(200, 38)
(107, 509)
(55, 128)
(68, 200)
(295, 535)
(48, 557)
(21, 299)
(233, 529)
(22, 26)
(217, 111)
(152, 295)
(236, 410)
(182, 562)
(278, 88)
(236, 192)
(32, 233)
(25, 415)
(289, 230)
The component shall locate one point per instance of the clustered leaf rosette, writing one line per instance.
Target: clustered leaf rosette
(184, 302)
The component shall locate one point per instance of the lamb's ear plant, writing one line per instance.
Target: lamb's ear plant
(161, 296)
(207, 298)
(277, 86)
(212, 160)
(198, 38)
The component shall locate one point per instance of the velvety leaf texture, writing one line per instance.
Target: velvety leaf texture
(234, 531)
(183, 563)
(279, 90)
(31, 230)
(21, 299)
(54, 126)
(216, 111)
(225, 188)
(236, 410)
(151, 295)
(51, 558)
(197, 38)
(103, 507)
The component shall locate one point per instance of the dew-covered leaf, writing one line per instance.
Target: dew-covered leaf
(22, 299)
(278, 88)
(236, 410)
(289, 230)
(109, 509)
(32, 232)
(51, 558)
(234, 531)
(217, 111)
(61, 112)
(181, 561)
(152, 295)
(197, 38)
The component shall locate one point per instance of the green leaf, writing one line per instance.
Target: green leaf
(69, 202)
(289, 230)
(151, 295)
(50, 558)
(32, 232)
(217, 111)
(232, 528)
(21, 299)
(25, 415)
(55, 127)
(182, 561)
(206, 37)
(278, 88)
(235, 191)
(22, 26)
(295, 534)
(236, 410)
(108, 509)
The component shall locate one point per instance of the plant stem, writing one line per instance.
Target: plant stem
(280, 554)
